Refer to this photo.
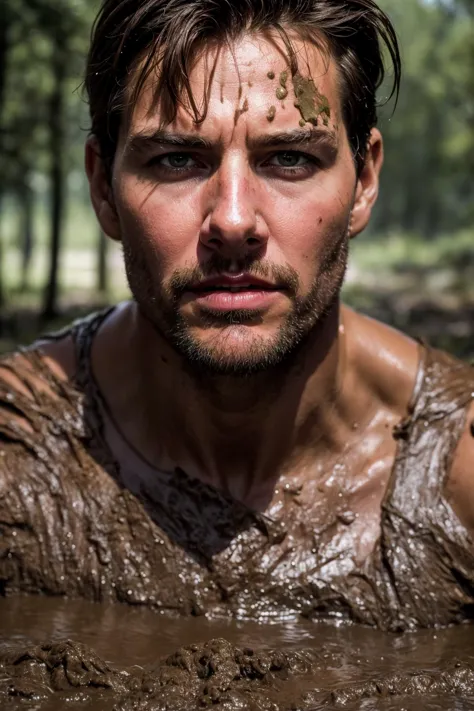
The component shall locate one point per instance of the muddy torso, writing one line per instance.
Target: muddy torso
(70, 526)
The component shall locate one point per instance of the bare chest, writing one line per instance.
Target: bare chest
(218, 554)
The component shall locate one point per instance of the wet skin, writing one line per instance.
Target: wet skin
(228, 193)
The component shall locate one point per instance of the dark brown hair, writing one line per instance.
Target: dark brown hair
(168, 34)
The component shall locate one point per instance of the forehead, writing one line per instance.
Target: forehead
(248, 85)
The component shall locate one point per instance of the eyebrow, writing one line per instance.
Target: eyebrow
(143, 140)
(296, 137)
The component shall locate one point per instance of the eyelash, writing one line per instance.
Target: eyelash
(307, 167)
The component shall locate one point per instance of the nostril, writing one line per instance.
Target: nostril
(252, 240)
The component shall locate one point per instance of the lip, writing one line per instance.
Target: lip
(233, 280)
(259, 295)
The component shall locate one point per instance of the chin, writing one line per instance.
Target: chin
(237, 351)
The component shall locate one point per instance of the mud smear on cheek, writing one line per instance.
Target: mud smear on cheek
(310, 102)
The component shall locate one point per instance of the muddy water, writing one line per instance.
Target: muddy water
(325, 666)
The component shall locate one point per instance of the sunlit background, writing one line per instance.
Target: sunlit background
(414, 268)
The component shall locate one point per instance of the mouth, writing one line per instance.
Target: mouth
(234, 284)
(229, 292)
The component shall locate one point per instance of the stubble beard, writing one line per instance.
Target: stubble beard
(263, 355)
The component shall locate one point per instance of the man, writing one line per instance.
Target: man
(233, 440)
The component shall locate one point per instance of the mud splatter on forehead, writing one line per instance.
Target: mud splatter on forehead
(238, 113)
(271, 113)
(282, 91)
(309, 101)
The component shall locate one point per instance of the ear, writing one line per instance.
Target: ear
(367, 188)
(101, 190)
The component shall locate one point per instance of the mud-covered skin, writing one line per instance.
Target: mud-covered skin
(70, 527)
(215, 673)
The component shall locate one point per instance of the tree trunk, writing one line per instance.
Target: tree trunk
(26, 237)
(102, 274)
(4, 49)
(58, 177)
(2, 283)
(4, 46)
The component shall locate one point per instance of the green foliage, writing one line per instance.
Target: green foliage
(427, 184)
(37, 32)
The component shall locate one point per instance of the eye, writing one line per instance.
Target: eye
(177, 161)
(177, 166)
(289, 159)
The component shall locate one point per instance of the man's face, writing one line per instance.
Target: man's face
(235, 230)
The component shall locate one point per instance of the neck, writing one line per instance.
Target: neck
(238, 433)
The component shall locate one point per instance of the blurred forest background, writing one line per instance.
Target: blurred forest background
(414, 268)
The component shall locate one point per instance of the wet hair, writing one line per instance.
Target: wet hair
(133, 38)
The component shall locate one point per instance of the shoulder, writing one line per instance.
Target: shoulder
(426, 384)
(34, 400)
(30, 401)
(386, 360)
(47, 363)
(32, 375)
(40, 423)
(459, 486)
(46, 377)
(37, 393)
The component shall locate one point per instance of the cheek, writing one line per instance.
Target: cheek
(165, 228)
(306, 231)
(301, 215)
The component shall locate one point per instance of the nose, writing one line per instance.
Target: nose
(232, 226)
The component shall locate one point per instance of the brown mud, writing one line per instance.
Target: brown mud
(309, 101)
(238, 112)
(120, 658)
(282, 91)
(271, 113)
(75, 523)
